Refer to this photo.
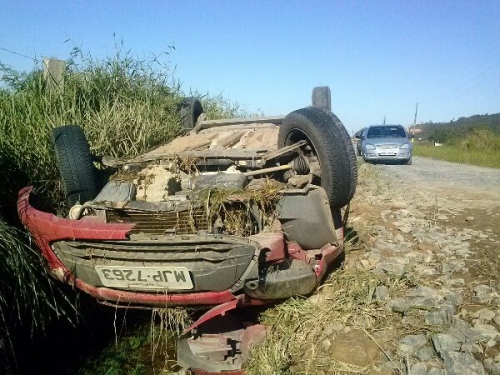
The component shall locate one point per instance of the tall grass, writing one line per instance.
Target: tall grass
(480, 147)
(125, 105)
(29, 299)
(122, 104)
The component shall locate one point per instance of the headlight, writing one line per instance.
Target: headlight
(369, 147)
(405, 146)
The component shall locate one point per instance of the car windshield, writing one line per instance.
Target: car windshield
(386, 132)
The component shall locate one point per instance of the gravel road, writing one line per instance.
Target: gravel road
(436, 224)
(477, 183)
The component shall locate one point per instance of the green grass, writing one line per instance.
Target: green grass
(478, 146)
(301, 329)
(456, 154)
(128, 355)
(126, 105)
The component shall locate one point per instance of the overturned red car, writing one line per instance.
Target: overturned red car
(234, 212)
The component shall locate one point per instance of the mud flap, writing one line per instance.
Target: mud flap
(219, 342)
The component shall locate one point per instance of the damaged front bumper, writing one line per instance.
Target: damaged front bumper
(115, 265)
(219, 341)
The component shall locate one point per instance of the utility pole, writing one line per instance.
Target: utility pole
(415, 119)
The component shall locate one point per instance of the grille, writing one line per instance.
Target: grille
(388, 145)
(182, 222)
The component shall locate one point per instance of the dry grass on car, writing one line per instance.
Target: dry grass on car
(225, 206)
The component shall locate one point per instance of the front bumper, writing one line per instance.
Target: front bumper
(382, 155)
(260, 268)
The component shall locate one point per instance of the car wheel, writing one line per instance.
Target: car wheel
(190, 110)
(75, 164)
(409, 161)
(351, 155)
(327, 145)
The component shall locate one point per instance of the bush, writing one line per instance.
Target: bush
(480, 139)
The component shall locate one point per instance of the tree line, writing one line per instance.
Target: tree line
(456, 130)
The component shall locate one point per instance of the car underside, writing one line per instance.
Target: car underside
(235, 212)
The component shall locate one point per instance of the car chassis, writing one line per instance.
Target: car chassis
(237, 212)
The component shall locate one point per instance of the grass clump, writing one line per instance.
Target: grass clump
(300, 326)
(239, 211)
(303, 331)
(125, 356)
(218, 107)
(479, 146)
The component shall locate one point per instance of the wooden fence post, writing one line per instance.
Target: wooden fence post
(53, 73)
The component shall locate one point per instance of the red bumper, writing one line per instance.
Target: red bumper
(47, 228)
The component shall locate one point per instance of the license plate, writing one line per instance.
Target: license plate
(388, 153)
(171, 278)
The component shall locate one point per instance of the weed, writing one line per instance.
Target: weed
(141, 348)
(238, 211)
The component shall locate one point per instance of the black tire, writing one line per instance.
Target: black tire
(190, 110)
(327, 143)
(351, 155)
(322, 98)
(409, 161)
(75, 164)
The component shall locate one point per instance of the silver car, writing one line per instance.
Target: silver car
(385, 143)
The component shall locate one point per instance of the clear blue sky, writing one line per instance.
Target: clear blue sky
(379, 58)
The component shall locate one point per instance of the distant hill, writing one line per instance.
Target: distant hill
(447, 131)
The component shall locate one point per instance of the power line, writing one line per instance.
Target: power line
(470, 88)
(19, 54)
(469, 85)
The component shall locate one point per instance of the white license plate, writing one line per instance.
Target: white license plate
(388, 153)
(171, 278)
